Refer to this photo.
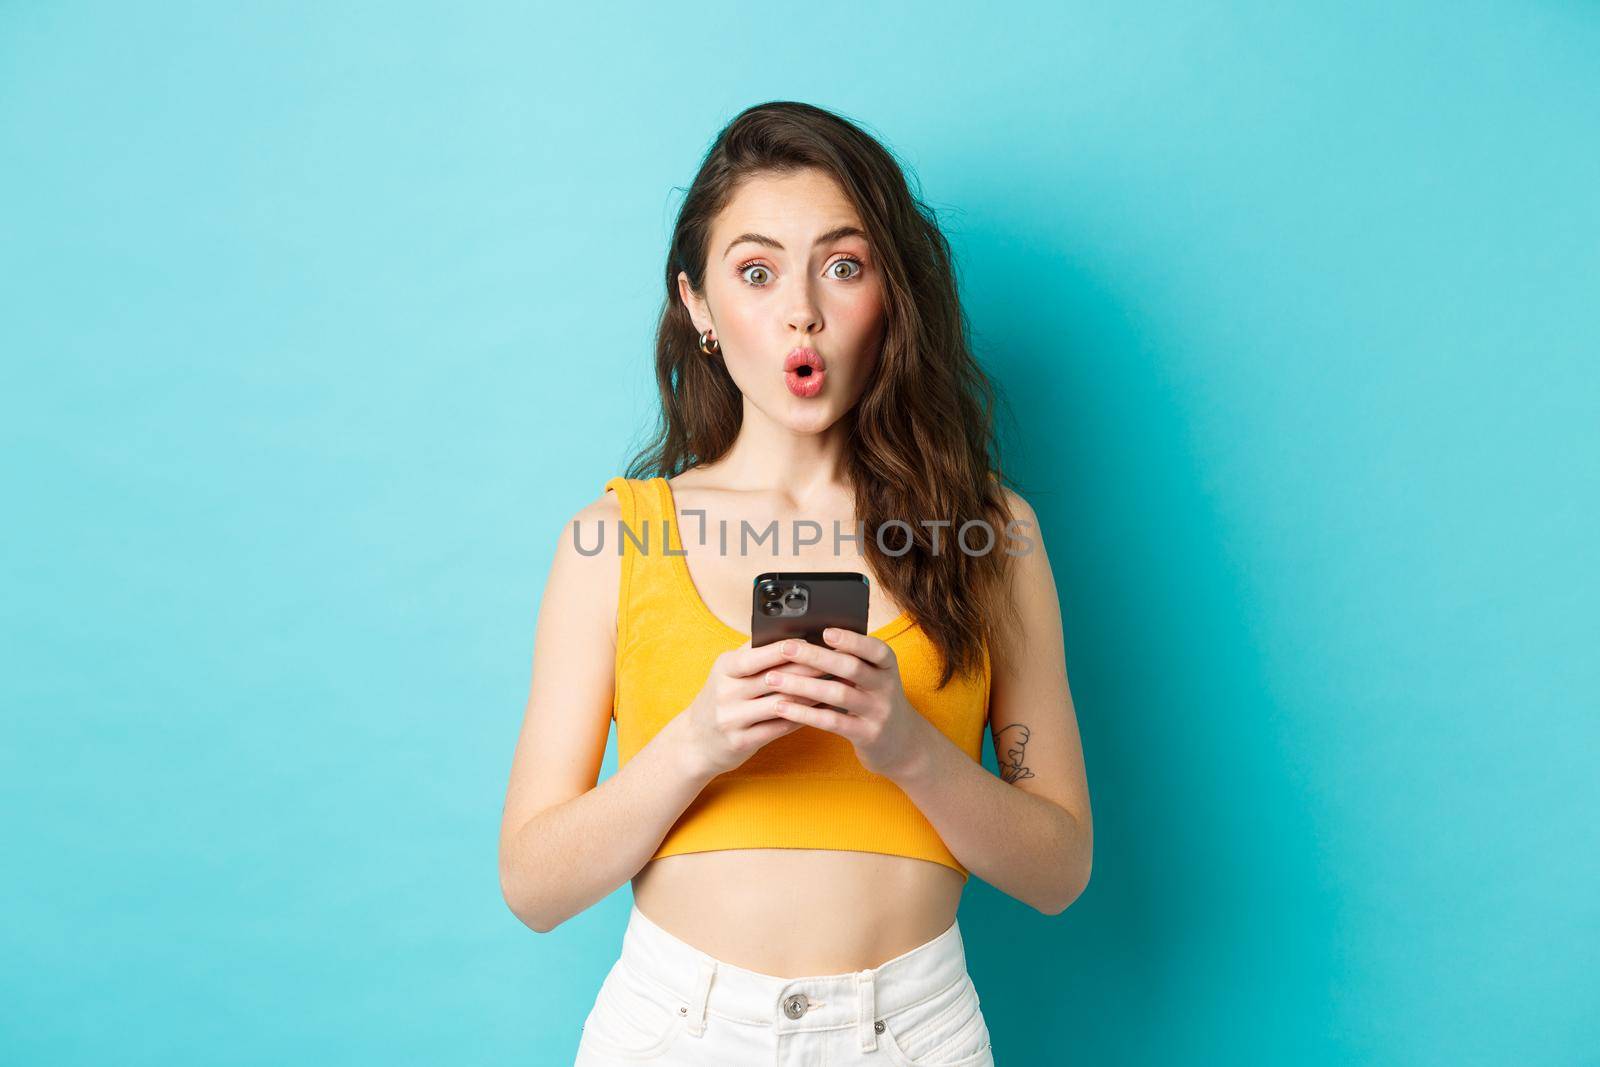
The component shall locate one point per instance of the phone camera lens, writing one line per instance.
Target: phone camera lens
(772, 607)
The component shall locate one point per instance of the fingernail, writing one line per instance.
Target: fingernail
(830, 634)
(772, 677)
(791, 647)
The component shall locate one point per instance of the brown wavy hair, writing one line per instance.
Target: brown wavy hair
(921, 439)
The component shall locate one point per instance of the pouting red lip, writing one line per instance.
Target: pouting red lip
(803, 357)
(805, 385)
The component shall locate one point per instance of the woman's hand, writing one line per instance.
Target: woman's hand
(735, 713)
(891, 737)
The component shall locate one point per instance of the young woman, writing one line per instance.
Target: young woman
(798, 821)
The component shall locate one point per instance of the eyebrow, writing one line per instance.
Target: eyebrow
(762, 239)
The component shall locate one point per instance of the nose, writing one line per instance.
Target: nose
(804, 315)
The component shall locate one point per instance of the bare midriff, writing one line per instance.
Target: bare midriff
(792, 912)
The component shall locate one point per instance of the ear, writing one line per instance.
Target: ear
(699, 312)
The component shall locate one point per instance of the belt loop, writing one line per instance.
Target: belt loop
(866, 1008)
(701, 994)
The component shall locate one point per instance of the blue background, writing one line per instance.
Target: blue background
(319, 320)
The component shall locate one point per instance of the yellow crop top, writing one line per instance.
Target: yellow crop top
(806, 789)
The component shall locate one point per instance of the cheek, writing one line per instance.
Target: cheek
(861, 318)
(746, 333)
(737, 318)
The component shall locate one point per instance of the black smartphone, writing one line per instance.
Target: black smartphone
(804, 603)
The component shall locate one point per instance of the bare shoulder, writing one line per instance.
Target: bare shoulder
(1021, 510)
(603, 508)
(1030, 584)
(586, 574)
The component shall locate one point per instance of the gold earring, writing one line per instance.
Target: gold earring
(715, 345)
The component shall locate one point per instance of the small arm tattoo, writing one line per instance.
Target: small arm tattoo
(1009, 752)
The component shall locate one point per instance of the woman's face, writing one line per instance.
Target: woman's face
(789, 271)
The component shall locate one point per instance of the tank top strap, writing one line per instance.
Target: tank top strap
(632, 497)
(640, 539)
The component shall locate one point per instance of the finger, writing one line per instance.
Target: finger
(874, 650)
(754, 711)
(835, 694)
(745, 661)
(835, 722)
(765, 732)
(758, 683)
(844, 665)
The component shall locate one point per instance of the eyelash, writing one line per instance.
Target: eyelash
(747, 264)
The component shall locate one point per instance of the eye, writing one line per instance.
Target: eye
(755, 274)
(834, 269)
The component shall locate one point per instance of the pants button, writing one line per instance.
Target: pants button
(795, 1005)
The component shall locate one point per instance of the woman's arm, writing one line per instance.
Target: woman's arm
(566, 843)
(1028, 832)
